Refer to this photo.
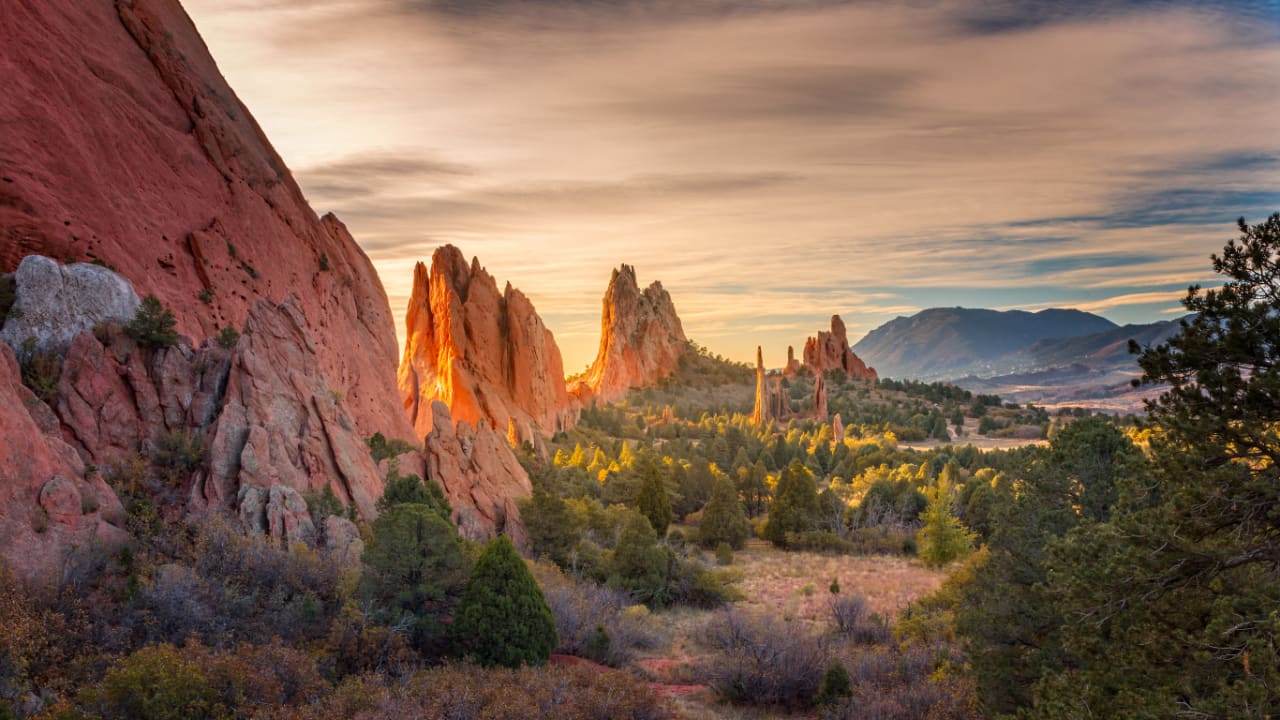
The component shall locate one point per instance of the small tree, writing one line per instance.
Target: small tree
(411, 489)
(835, 684)
(153, 324)
(553, 529)
(415, 570)
(943, 538)
(503, 618)
(795, 508)
(652, 500)
(723, 520)
(640, 567)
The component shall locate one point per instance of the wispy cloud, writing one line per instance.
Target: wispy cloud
(775, 162)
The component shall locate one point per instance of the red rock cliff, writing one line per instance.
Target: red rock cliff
(641, 339)
(122, 142)
(831, 351)
(484, 354)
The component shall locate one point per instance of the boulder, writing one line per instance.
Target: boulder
(284, 422)
(342, 540)
(54, 302)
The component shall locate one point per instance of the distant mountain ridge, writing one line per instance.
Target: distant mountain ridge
(945, 343)
(1039, 357)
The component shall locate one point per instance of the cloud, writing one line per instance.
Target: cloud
(776, 162)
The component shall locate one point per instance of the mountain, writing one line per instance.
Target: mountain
(945, 343)
(641, 339)
(1087, 371)
(1109, 347)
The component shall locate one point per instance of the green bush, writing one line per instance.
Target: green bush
(724, 554)
(180, 453)
(723, 519)
(639, 565)
(153, 324)
(227, 338)
(381, 448)
(503, 618)
(41, 370)
(156, 683)
(599, 645)
(415, 569)
(835, 684)
(411, 489)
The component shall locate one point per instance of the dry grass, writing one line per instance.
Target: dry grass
(775, 581)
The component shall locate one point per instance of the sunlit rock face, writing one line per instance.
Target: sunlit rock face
(641, 339)
(123, 144)
(771, 403)
(486, 355)
(830, 350)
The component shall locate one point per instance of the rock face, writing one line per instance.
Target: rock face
(641, 339)
(830, 350)
(837, 428)
(820, 397)
(48, 502)
(771, 402)
(57, 302)
(123, 143)
(793, 365)
(479, 474)
(283, 423)
(485, 354)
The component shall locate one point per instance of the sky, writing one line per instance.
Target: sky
(774, 162)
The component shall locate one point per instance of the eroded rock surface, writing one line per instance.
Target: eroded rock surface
(641, 339)
(479, 474)
(123, 143)
(830, 351)
(49, 504)
(486, 355)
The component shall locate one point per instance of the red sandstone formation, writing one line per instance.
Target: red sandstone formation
(831, 351)
(641, 339)
(49, 503)
(771, 403)
(837, 428)
(486, 355)
(123, 143)
(820, 397)
(479, 474)
(793, 365)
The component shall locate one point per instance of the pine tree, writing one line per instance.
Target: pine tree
(415, 570)
(153, 324)
(1181, 591)
(795, 506)
(943, 538)
(503, 618)
(723, 520)
(835, 684)
(640, 567)
(652, 500)
(553, 529)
